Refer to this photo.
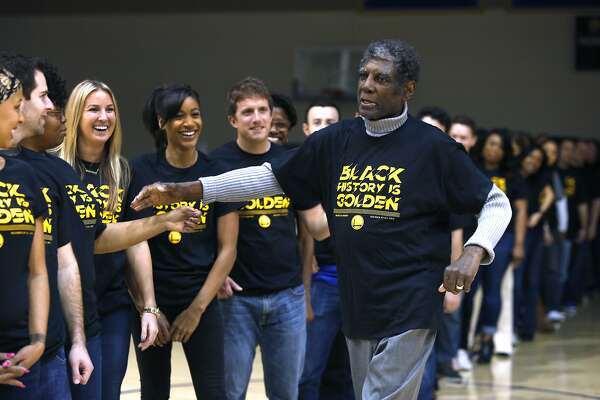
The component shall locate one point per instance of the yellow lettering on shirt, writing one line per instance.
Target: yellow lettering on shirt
(199, 205)
(375, 188)
(15, 212)
(570, 186)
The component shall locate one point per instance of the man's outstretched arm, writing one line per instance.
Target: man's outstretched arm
(234, 186)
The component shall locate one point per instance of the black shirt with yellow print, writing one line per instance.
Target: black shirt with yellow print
(388, 200)
(111, 290)
(267, 253)
(21, 202)
(180, 261)
(577, 194)
(57, 233)
(512, 184)
(86, 211)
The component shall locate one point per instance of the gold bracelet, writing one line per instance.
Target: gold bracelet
(152, 310)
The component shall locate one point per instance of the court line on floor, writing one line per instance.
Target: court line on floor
(532, 389)
(177, 385)
(484, 384)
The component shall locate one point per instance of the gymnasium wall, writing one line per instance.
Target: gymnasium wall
(512, 69)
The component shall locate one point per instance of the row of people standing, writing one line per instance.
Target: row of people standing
(58, 364)
(548, 243)
(91, 188)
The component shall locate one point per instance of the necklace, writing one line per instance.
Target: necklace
(87, 167)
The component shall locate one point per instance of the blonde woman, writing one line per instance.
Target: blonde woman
(92, 146)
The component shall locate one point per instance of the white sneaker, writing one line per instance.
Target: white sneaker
(463, 361)
(555, 316)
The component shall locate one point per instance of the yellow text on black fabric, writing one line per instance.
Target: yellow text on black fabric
(375, 188)
(570, 186)
(47, 225)
(85, 205)
(102, 194)
(270, 205)
(199, 205)
(15, 212)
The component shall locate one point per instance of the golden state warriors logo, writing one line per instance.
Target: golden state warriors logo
(1, 240)
(500, 182)
(357, 222)
(174, 237)
(264, 221)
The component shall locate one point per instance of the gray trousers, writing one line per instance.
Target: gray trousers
(390, 368)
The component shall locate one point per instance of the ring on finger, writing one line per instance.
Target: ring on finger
(460, 287)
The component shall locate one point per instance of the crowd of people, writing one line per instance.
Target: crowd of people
(550, 247)
(341, 257)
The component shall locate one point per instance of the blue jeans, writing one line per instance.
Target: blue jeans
(93, 389)
(320, 335)
(490, 277)
(32, 390)
(428, 384)
(115, 350)
(552, 284)
(575, 282)
(527, 278)
(54, 380)
(276, 322)
(447, 340)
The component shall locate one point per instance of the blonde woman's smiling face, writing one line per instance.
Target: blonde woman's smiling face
(98, 119)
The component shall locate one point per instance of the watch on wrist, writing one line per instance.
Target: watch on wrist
(152, 310)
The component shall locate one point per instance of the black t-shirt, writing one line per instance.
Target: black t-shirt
(466, 222)
(388, 201)
(57, 233)
(87, 212)
(513, 185)
(111, 290)
(576, 193)
(267, 249)
(325, 251)
(180, 261)
(21, 202)
(536, 184)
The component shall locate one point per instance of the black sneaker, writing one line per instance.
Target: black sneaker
(486, 351)
(446, 371)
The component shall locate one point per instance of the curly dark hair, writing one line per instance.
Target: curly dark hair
(285, 103)
(22, 67)
(406, 61)
(57, 86)
(509, 163)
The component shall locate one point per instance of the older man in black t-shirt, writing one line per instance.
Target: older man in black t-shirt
(388, 183)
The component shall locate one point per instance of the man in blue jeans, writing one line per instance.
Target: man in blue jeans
(269, 310)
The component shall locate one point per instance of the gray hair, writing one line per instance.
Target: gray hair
(405, 58)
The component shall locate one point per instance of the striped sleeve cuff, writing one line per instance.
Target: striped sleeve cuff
(491, 223)
(240, 185)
